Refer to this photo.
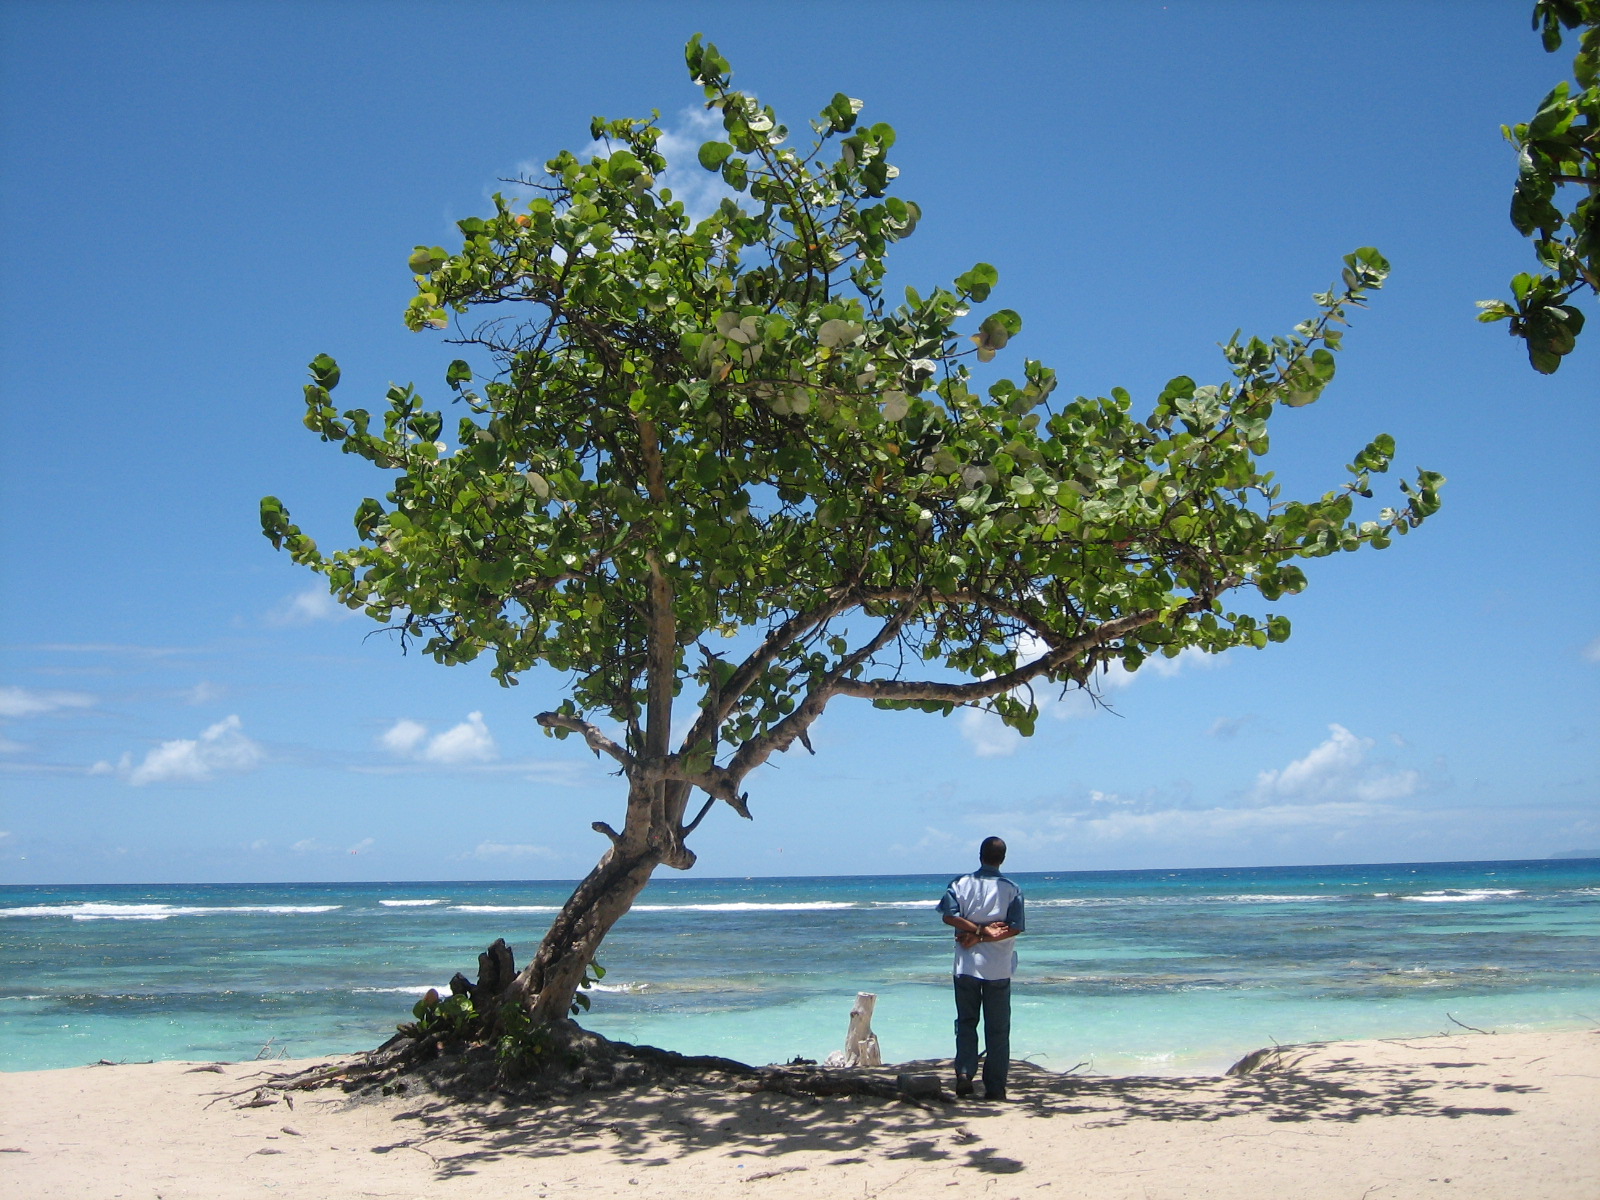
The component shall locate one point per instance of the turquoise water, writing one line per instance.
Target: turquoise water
(1152, 971)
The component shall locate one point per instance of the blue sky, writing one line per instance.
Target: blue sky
(197, 199)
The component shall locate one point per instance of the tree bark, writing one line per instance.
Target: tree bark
(648, 839)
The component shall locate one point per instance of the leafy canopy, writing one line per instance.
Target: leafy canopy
(679, 429)
(1559, 148)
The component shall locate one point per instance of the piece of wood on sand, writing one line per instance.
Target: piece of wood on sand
(860, 1043)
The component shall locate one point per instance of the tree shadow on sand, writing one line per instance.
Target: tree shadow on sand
(654, 1125)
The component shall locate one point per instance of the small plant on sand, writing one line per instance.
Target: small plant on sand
(523, 1043)
(454, 1017)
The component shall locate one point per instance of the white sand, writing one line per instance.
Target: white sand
(1502, 1117)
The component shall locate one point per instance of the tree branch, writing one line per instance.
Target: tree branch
(776, 641)
(699, 816)
(977, 599)
(723, 782)
(598, 742)
(1058, 656)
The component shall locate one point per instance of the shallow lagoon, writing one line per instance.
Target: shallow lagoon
(1126, 971)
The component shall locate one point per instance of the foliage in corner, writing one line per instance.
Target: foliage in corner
(1559, 148)
(710, 456)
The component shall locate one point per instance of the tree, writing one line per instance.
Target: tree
(1558, 148)
(709, 455)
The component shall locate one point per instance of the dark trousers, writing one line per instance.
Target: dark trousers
(991, 997)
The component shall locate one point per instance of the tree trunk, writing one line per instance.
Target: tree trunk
(549, 981)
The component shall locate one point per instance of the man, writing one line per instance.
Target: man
(985, 909)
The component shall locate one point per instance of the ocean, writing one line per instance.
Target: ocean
(1151, 972)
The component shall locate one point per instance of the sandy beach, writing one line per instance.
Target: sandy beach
(1474, 1115)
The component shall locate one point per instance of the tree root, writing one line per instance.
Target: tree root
(557, 1059)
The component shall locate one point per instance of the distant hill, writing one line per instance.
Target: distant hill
(1577, 854)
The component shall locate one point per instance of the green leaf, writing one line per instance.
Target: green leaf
(714, 154)
(325, 371)
(426, 259)
(978, 282)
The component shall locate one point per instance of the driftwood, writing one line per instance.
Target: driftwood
(860, 1043)
(1268, 1058)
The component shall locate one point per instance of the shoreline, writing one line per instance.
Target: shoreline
(1463, 1114)
(1192, 1065)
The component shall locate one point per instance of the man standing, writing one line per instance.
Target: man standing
(985, 909)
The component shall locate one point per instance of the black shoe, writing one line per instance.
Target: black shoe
(963, 1085)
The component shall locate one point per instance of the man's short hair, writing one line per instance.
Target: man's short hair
(992, 853)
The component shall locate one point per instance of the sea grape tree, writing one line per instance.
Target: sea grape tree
(713, 456)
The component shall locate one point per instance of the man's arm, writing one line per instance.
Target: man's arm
(999, 931)
(968, 933)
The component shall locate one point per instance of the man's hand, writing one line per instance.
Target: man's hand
(966, 938)
(998, 931)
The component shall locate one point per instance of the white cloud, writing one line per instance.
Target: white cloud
(460, 745)
(307, 608)
(468, 742)
(404, 736)
(362, 846)
(1591, 652)
(504, 850)
(222, 747)
(1337, 769)
(7, 746)
(310, 846)
(28, 702)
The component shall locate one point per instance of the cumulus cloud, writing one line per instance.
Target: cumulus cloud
(460, 745)
(222, 748)
(468, 742)
(29, 702)
(309, 607)
(404, 736)
(1337, 769)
